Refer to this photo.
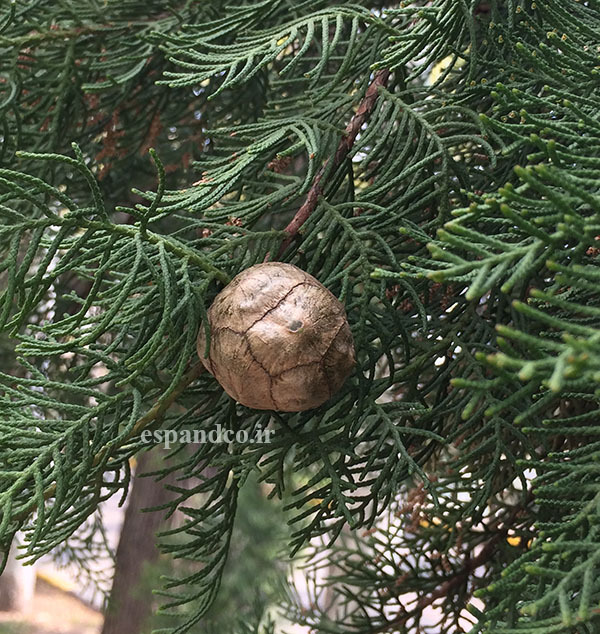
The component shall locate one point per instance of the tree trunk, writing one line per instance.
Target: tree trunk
(17, 583)
(130, 604)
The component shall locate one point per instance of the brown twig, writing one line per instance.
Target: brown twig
(345, 145)
(462, 576)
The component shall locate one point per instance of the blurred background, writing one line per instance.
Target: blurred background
(69, 592)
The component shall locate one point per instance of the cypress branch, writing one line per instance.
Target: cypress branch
(361, 116)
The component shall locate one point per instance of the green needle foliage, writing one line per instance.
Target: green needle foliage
(441, 161)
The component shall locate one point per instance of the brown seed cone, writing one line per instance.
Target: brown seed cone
(279, 339)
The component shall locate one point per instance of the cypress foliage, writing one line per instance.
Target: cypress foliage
(436, 166)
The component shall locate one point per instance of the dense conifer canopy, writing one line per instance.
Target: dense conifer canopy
(436, 165)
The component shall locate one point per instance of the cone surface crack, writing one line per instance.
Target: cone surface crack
(262, 367)
(295, 367)
(278, 304)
